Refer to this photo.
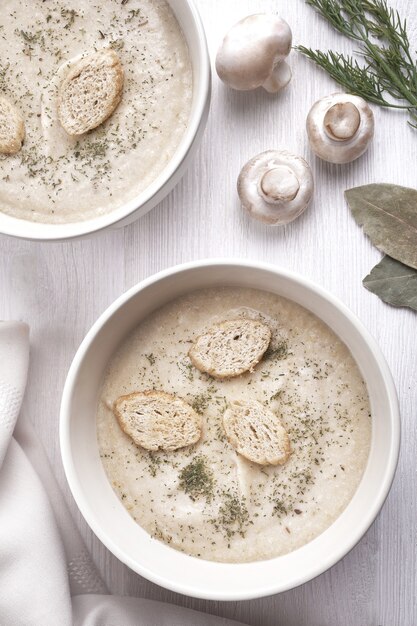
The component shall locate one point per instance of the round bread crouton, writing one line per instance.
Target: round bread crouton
(90, 92)
(256, 433)
(157, 420)
(230, 348)
(12, 127)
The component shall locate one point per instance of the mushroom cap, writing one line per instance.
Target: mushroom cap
(275, 186)
(251, 50)
(340, 127)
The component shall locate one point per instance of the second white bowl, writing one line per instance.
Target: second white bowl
(106, 515)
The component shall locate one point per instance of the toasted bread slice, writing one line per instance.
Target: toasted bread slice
(157, 420)
(12, 127)
(230, 348)
(256, 433)
(90, 92)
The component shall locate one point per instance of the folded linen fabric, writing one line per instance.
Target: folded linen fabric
(47, 577)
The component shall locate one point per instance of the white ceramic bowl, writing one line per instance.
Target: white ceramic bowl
(190, 22)
(110, 521)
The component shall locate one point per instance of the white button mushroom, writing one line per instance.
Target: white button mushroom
(340, 127)
(275, 186)
(252, 54)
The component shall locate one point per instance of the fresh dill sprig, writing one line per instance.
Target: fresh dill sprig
(389, 75)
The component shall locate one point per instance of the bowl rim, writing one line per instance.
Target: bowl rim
(327, 562)
(44, 231)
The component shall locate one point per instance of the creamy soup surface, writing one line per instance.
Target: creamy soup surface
(240, 511)
(56, 178)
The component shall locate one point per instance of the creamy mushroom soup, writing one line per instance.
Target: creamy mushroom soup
(58, 178)
(207, 500)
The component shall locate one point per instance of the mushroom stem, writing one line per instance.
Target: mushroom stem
(279, 78)
(342, 121)
(279, 184)
(275, 186)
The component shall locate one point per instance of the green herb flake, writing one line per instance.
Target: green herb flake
(279, 352)
(200, 402)
(279, 508)
(151, 358)
(196, 479)
(233, 516)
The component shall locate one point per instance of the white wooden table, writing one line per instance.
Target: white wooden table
(61, 289)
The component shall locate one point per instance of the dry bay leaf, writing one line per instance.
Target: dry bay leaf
(388, 215)
(393, 282)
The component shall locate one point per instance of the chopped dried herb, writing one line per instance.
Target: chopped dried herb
(151, 358)
(233, 516)
(279, 352)
(196, 479)
(200, 402)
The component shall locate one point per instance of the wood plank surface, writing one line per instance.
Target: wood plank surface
(60, 289)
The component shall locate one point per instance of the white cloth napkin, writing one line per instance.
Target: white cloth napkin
(47, 577)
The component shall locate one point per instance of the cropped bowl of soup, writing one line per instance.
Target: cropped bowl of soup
(60, 186)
